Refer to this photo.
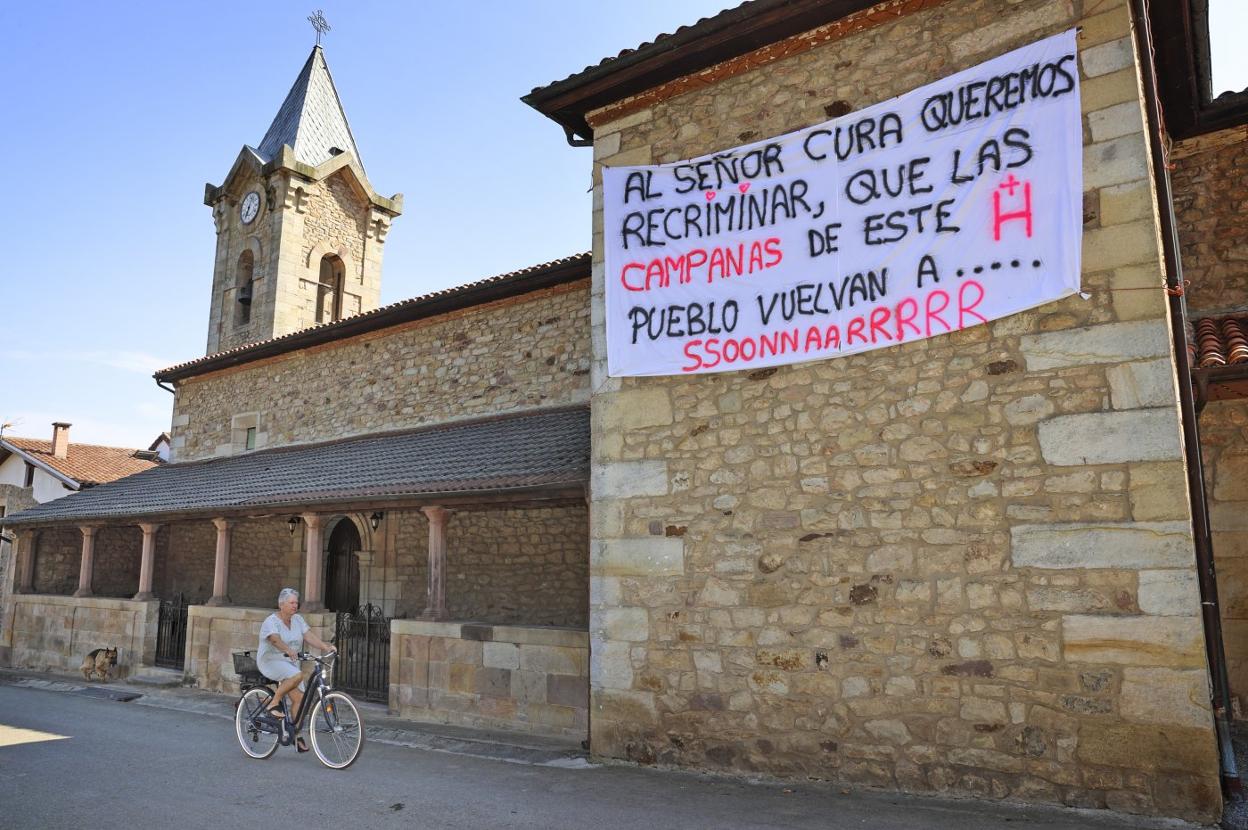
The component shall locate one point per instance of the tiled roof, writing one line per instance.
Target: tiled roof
(437, 302)
(664, 39)
(1218, 341)
(87, 464)
(516, 452)
(311, 119)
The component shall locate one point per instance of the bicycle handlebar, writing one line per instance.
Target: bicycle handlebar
(304, 655)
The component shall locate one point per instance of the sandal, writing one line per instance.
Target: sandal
(275, 712)
(300, 744)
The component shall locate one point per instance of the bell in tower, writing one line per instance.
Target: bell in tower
(300, 229)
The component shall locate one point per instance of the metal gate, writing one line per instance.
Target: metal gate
(363, 642)
(171, 633)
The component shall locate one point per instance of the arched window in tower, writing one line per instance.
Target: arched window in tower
(244, 276)
(329, 291)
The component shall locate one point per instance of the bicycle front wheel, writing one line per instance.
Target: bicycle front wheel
(256, 736)
(337, 732)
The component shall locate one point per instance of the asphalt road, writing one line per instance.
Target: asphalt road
(127, 765)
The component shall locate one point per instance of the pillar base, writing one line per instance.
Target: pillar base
(311, 607)
(217, 602)
(434, 616)
(144, 596)
(83, 593)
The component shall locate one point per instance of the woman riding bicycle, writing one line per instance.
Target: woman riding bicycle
(282, 636)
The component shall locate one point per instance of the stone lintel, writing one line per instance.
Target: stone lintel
(1111, 437)
(639, 556)
(1128, 545)
(1109, 343)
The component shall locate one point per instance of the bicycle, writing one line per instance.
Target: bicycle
(336, 730)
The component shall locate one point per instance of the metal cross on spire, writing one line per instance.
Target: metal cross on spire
(319, 23)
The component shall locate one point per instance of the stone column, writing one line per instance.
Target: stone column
(148, 562)
(435, 609)
(25, 550)
(221, 571)
(87, 568)
(313, 576)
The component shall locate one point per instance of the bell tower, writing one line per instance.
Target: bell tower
(300, 230)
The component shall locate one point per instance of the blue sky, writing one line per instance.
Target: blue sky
(118, 114)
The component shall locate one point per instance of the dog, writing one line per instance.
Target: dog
(100, 662)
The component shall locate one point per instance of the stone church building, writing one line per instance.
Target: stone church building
(980, 563)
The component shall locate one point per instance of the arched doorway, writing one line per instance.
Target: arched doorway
(342, 568)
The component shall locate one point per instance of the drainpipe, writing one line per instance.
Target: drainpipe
(1215, 651)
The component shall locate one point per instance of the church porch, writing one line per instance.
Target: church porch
(497, 564)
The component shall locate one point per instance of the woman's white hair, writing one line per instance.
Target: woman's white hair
(285, 594)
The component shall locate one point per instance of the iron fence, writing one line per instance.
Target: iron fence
(363, 642)
(171, 633)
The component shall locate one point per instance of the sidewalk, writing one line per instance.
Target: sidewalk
(682, 798)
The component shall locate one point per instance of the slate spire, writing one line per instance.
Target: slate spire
(311, 119)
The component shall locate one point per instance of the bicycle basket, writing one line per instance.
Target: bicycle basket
(246, 668)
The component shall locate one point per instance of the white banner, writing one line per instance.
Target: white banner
(946, 207)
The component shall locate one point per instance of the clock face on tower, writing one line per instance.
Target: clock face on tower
(249, 208)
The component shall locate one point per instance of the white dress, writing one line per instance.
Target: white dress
(272, 661)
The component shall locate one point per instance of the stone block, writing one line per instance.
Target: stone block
(1158, 491)
(627, 479)
(494, 682)
(636, 709)
(553, 660)
(1130, 243)
(622, 624)
(1176, 642)
(1116, 161)
(1106, 90)
(1116, 121)
(611, 665)
(1109, 343)
(567, 690)
(1141, 385)
(1149, 747)
(500, 655)
(631, 409)
(1166, 696)
(462, 679)
(1108, 57)
(1133, 546)
(1127, 203)
(1169, 593)
(638, 556)
(1111, 437)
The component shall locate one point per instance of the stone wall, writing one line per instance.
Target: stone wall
(58, 555)
(118, 557)
(55, 633)
(215, 634)
(514, 678)
(264, 558)
(962, 564)
(531, 351)
(519, 567)
(185, 559)
(14, 499)
(1209, 179)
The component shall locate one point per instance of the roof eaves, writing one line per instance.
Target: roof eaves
(35, 461)
(515, 283)
(731, 33)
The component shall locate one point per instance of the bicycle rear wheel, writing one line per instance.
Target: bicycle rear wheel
(336, 730)
(256, 735)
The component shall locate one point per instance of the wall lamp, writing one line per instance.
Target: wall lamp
(376, 518)
(292, 523)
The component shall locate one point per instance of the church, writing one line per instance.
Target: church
(975, 560)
